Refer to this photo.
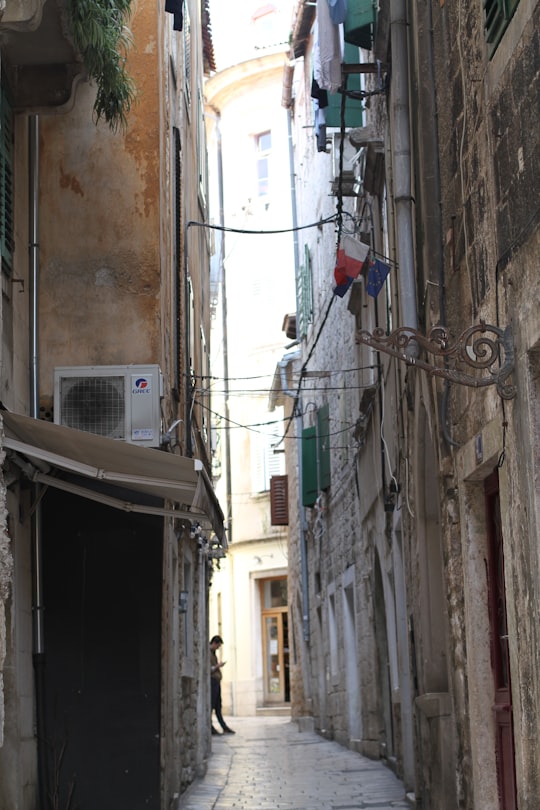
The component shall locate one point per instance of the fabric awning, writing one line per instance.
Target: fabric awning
(51, 449)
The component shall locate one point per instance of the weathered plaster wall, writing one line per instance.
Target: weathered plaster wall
(99, 224)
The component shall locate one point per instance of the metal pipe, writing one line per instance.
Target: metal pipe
(36, 528)
(401, 147)
(224, 317)
(437, 182)
(187, 346)
(33, 247)
(301, 510)
(294, 215)
(284, 385)
(303, 529)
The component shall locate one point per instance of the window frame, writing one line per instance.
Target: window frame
(263, 157)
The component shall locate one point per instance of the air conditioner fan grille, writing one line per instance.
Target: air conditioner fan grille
(95, 405)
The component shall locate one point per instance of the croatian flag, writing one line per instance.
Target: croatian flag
(356, 253)
(343, 281)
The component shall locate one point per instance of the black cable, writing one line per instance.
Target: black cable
(227, 229)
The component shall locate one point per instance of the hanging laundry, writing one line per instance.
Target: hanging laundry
(377, 274)
(320, 126)
(319, 95)
(328, 56)
(176, 7)
(338, 11)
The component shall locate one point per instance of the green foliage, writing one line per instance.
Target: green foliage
(100, 34)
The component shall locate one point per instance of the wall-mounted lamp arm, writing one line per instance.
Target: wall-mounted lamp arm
(479, 347)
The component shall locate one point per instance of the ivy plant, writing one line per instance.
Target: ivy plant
(100, 34)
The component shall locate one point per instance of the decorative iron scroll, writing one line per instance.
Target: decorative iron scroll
(480, 347)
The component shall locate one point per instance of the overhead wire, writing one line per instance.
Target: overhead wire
(269, 232)
(252, 427)
(271, 374)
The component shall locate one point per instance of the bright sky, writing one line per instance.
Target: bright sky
(238, 26)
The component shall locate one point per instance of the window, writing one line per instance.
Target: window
(274, 593)
(360, 23)
(264, 23)
(265, 462)
(332, 632)
(279, 500)
(316, 457)
(498, 14)
(263, 144)
(6, 183)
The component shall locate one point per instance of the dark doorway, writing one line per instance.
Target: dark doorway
(383, 662)
(500, 654)
(102, 575)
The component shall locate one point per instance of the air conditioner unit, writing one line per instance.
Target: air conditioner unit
(119, 402)
(348, 182)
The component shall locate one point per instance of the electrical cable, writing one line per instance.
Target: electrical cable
(271, 374)
(227, 229)
(252, 427)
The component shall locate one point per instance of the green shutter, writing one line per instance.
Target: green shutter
(309, 466)
(360, 22)
(316, 458)
(353, 106)
(498, 14)
(6, 182)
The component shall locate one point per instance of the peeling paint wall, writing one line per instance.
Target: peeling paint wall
(111, 292)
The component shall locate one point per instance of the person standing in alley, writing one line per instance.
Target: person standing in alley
(215, 684)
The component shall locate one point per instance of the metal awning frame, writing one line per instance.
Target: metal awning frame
(42, 449)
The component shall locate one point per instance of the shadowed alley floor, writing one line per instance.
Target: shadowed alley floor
(270, 765)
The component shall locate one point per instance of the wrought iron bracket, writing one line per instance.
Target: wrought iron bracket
(482, 347)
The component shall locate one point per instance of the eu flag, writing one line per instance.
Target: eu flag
(377, 273)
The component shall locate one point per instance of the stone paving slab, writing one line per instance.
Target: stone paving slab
(270, 765)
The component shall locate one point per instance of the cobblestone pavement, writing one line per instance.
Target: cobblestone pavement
(270, 765)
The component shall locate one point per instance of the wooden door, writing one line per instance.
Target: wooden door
(275, 638)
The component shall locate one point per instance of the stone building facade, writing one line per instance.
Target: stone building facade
(107, 510)
(412, 454)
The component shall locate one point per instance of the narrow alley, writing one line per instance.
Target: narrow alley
(269, 765)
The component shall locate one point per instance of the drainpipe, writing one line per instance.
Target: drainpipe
(37, 560)
(303, 528)
(282, 364)
(402, 166)
(437, 183)
(285, 388)
(33, 247)
(293, 196)
(187, 345)
(224, 317)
